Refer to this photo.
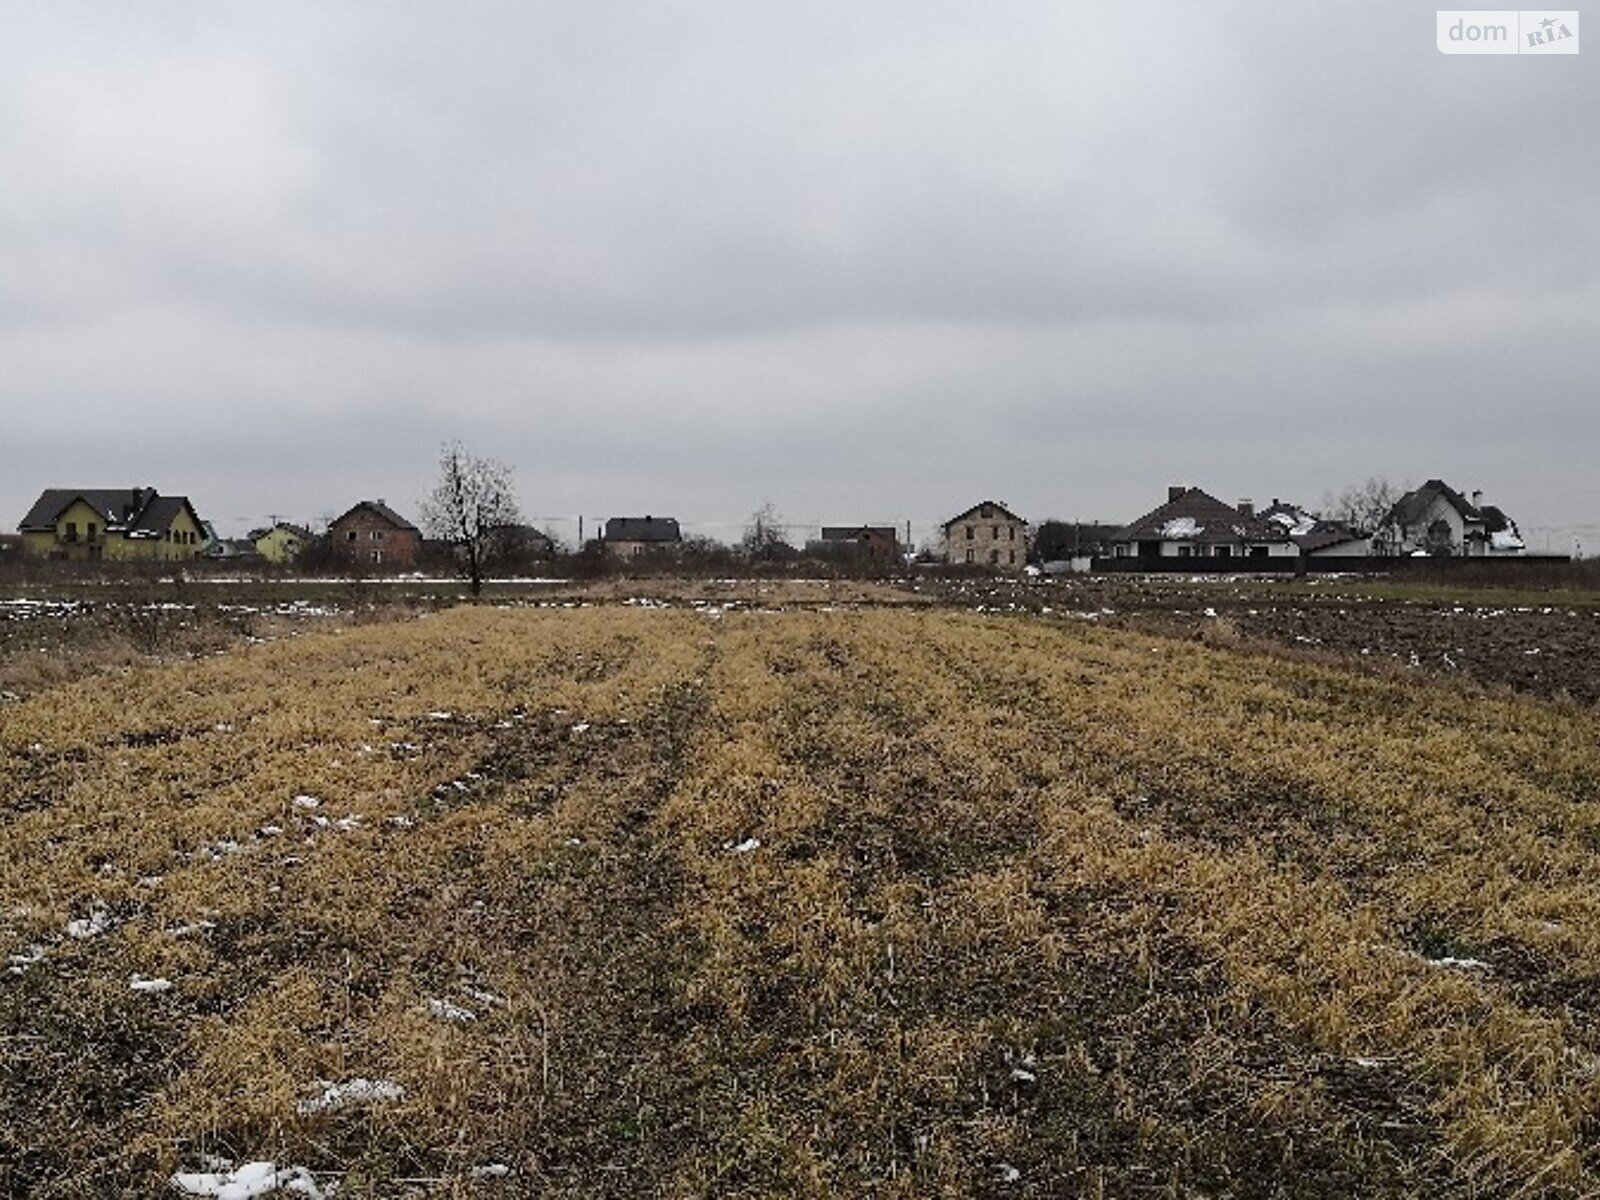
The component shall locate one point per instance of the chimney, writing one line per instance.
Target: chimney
(1477, 498)
(1175, 491)
(1247, 508)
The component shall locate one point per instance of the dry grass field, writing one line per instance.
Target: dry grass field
(629, 901)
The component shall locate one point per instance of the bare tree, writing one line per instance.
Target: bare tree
(472, 507)
(1364, 506)
(764, 539)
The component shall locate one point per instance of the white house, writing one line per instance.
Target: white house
(1194, 524)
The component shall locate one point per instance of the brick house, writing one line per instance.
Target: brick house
(988, 535)
(372, 535)
(875, 543)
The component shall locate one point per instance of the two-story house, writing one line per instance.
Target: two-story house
(375, 537)
(988, 534)
(1437, 519)
(112, 524)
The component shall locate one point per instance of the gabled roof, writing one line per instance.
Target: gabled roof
(1409, 509)
(138, 512)
(298, 531)
(1002, 511)
(642, 529)
(382, 510)
(1197, 516)
(116, 506)
(159, 514)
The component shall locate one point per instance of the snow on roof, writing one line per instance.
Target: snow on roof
(1506, 539)
(1181, 527)
(1297, 523)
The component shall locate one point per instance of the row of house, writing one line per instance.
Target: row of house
(1433, 519)
(140, 524)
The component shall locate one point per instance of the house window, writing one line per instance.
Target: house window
(1223, 551)
(1258, 551)
(377, 535)
(969, 536)
(970, 556)
(350, 536)
(1013, 532)
(93, 528)
(1011, 557)
(375, 555)
(994, 557)
(72, 531)
(1185, 551)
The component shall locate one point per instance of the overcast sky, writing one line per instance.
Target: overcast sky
(873, 260)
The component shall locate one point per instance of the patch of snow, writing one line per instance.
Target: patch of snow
(31, 957)
(307, 802)
(1181, 527)
(581, 727)
(269, 831)
(1006, 1173)
(490, 1171)
(96, 923)
(138, 983)
(250, 1179)
(453, 1013)
(442, 715)
(352, 1091)
(483, 997)
(1460, 964)
(744, 847)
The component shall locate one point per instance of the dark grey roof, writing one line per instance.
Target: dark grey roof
(136, 510)
(382, 510)
(1325, 534)
(1201, 518)
(642, 529)
(158, 515)
(116, 506)
(1496, 521)
(978, 507)
(1409, 509)
(853, 533)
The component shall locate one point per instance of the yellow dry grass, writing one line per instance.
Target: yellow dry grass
(905, 902)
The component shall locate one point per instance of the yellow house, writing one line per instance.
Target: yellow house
(111, 524)
(282, 543)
